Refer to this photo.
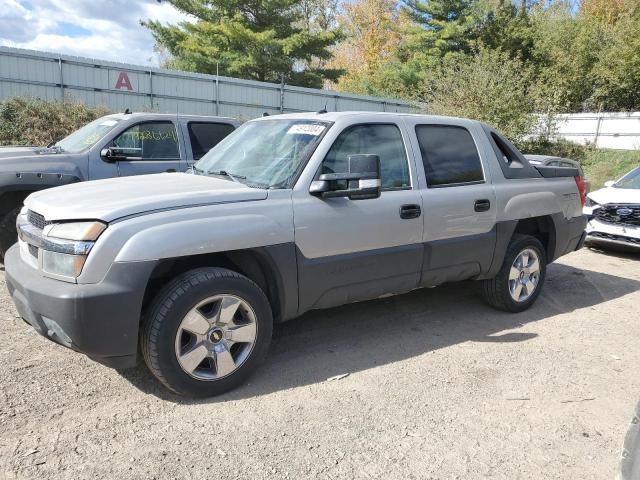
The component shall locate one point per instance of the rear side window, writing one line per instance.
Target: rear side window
(205, 136)
(449, 155)
(384, 140)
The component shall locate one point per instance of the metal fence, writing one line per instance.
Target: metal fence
(118, 86)
(619, 130)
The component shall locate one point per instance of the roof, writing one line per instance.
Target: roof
(335, 116)
(154, 115)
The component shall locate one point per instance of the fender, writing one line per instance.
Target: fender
(206, 235)
(533, 204)
(32, 181)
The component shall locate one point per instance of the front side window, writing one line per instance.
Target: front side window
(88, 135)
(205, 136)
(265, 153)
(149, 141)
(449, 155)
(384, 140)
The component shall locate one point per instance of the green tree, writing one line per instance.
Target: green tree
(369, 52)
(440, 27)
(258, 40)
(616, 74)
(487, 85)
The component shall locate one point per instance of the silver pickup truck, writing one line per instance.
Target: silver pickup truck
(287, 214)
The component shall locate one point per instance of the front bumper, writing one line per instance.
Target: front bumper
(100, 320)
(613, 234)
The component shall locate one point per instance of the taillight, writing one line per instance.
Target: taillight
(582, 189)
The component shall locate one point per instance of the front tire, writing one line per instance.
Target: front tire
(206, 332)
(8, 232)
(520, 279)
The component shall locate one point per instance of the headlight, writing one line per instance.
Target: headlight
(591, 203)
(65, 246)
(62, 264)
(80, 231)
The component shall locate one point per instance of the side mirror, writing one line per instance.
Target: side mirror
(362, 180)
(112, 155)
(609, 183)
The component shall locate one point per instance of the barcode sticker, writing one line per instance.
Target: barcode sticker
(306, 129)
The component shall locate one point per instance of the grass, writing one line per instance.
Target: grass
(601, 165)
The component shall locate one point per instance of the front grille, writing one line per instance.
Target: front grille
(627, 214)
(33, 250)
(618, 238)
(37, 220)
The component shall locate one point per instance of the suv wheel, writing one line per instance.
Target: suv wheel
(8, 233)
(521, 277)
(206, 331)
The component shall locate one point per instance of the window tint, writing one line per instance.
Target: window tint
(449, 155)
(205, 136)
(150, 141)
(382, 140)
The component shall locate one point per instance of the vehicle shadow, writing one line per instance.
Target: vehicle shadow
(325, 343)
(627, 253)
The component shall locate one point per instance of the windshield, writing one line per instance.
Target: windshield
(264, 154)
(88, 135)
(630, 180)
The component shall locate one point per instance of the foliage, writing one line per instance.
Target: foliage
(601, 165)
(32, 121)
(373, 33)
(262, 40)
(471, 86)
(575, 58)
(557, 148)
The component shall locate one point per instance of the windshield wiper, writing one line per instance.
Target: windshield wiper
(232, 176)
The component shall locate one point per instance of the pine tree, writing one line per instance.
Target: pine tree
(442, 26)
(263, 40)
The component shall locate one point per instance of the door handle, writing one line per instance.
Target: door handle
(410, 211)
(171, 170)
(482, 205)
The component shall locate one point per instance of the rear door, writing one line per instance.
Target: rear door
(458, 202)
(150, 147)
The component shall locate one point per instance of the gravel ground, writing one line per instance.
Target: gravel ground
(439, 386)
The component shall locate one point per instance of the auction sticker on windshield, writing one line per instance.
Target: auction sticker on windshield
(306, 129)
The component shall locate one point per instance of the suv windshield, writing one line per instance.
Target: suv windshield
(88, 135)
(630, 180)
(264, 154)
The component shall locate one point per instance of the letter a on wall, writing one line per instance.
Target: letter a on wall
(123, 81)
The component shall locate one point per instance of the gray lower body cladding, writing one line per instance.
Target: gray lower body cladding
(100, 320)
(331, 281)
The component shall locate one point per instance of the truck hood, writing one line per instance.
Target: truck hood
(115, 198)
(615, 195)
(18, 151)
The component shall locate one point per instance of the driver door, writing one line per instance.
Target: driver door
(150, 147)
(351, 250)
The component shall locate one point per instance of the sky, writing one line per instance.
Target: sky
(102, 29)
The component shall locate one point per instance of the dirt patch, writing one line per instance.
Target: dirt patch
(438, 386)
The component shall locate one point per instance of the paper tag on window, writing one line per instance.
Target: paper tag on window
(306, 129)
(109, 123)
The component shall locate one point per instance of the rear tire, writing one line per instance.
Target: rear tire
(206, 332)
(8, 232)
(520, 279)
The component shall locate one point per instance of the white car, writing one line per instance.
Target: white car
(614, 213)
